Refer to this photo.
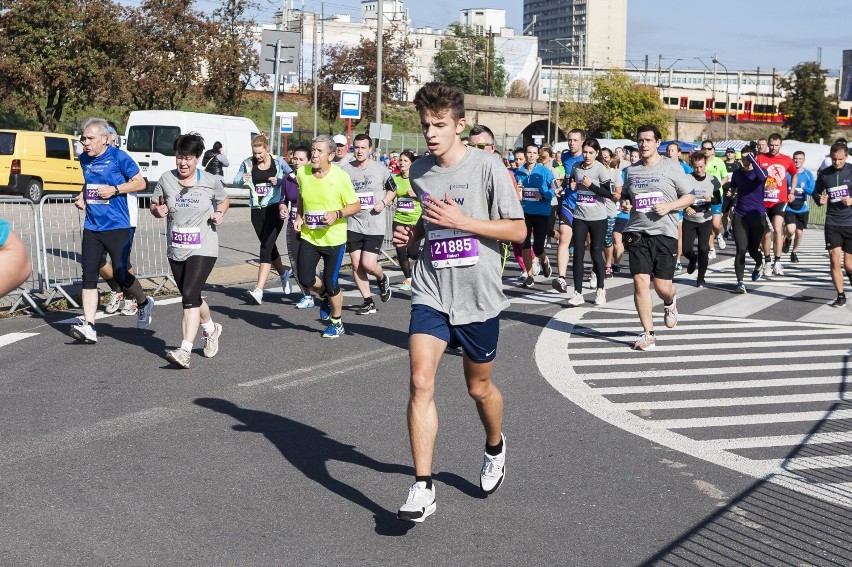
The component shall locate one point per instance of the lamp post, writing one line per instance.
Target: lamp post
(727, 94)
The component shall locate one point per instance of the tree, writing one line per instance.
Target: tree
(619, 105)
(808, 114)
(168, 47)
(357, 65)
(58, 56)
(519, 89)
(470, 62)
(231, 58)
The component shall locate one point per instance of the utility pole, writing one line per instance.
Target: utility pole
(379, 42)
(314, 73)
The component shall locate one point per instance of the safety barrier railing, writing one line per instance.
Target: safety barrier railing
(21, 214)
(148, 255)
(61, 228)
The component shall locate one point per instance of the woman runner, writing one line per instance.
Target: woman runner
(407, 214)
(288, 209)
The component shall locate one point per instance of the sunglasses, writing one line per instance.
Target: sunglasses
(482, 146)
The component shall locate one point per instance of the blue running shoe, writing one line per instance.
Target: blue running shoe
(758, 272)
(333, 331)
(325, 309)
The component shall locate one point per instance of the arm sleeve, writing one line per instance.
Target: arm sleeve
(223, 159)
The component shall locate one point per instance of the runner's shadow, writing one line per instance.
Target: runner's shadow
(262, 319)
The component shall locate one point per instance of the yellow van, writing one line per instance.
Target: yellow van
(34, 162)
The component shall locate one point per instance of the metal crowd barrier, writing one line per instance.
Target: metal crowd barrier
(22, 216)
(148, 255)
(61, 227)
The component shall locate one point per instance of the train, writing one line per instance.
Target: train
(746, 109)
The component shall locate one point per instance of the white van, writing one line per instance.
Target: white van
(150, 136)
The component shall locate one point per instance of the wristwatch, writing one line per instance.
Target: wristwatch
(117, 192)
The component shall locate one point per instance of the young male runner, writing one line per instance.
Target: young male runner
(832, 189)
(469, 204)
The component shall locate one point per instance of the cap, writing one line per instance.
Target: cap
(340, 140)
(730, 151)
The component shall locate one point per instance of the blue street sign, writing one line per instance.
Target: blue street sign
(350, 105)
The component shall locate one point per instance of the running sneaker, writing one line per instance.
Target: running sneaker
(777, 268)
(307, 302)
(84, 333)
(712, 254)
(670, 315)
(786, 246)
(529, 281)
(145, 314)
(646, 341)
(794, 257)
(839, 302)
(285, 281)
(116, 298)
(758, 272)
(727, 234)
(546, 270)
(593, 280)
(366, 308)
(179, 357)
(211, 341)
(608, 272)
(333, 331)
(700, 283)
(493, 470)
(129, 307)
(600, 297)
(419, 505)
(678, 266)
(560, 285)
(741, 288)
(255, 295)
(720, 242)
(692, 266)
(616, 268)
(405, 285)
(325, 309)
(536, 267)
(576, 300)
(385, 290)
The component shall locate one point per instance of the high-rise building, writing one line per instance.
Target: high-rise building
(587, 33)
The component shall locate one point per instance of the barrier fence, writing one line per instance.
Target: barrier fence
(23, 217)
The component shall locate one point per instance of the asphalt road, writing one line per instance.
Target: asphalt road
(728, 445)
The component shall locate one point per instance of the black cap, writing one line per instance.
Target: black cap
(730, 151)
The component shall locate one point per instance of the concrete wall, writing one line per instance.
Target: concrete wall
(507, 117)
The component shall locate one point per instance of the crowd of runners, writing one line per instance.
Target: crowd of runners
(469, 208)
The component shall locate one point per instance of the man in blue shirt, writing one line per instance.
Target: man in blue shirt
(796, 215)
(536, 182)
(111, 176)
(567, 204)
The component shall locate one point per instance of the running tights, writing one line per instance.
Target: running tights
(597, 231)
(701, 231)
(748, 233)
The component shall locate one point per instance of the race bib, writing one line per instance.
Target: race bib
(646, 201)
(262, 189)
(367, 200)
(699, 198)
(293, 214)
(405, 205)
(315, 219)
(586, 198)
(186, 238)
(531, 194)
(771, 193)
(452, 248)
(92, 197)
(836, 194)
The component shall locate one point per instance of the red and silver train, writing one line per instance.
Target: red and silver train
(746, 109)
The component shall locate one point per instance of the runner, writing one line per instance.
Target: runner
(537, 186)
(567, 204)
(112, 179)
(594, 186)
(657, 188)
(796, 215)
(366, 231)
(747, 187)
(777, 166)
(673, 152)
(832, 189)
(326, 197)
(612, 209)
(731, 165)
(697, 217)
(185, 197)
(263, 173)
(288, 208)
(407, 214)
(468, 205)
(341, 150)
(715, 167)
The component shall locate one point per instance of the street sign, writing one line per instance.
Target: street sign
(350, 87)
(287, 124)
(350, 105)
(380, 131)
(288, 62)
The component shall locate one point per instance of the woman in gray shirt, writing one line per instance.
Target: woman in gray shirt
(194, 203)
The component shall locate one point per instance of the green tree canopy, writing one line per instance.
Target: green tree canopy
(808, 114)
(469, 61)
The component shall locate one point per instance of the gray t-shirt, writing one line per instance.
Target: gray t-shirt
(701, 188)
(646, 186)
(371, 184)
(458, 273)
(590, 207)
(189, 231)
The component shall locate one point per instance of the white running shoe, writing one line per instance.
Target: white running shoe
(536, 267)
(419, 505)
(307, 302)
(179, 357)
(712, 254)
(593, 280)
(129, 307)
(493, 470)
(285, 282)
(576, 300)
(84, 333)
(670, 316)
(777, 268)
(114, 303)
(600, 297)
(211, 341)
(255, 295)
(144, 315)
(720, 242)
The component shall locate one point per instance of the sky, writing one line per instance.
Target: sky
(737, 32)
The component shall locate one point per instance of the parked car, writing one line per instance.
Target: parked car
(32, 163)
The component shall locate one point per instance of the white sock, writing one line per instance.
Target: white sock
(186, 345)
(208, 327)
